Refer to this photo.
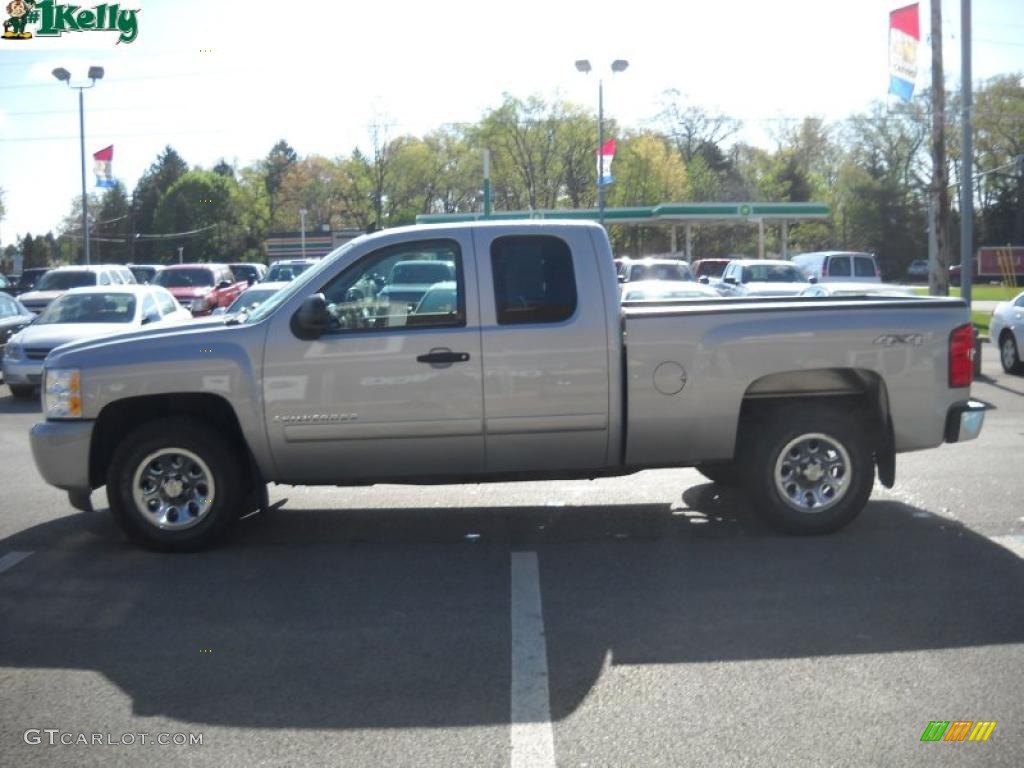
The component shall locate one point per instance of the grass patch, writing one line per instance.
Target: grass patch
(979, 292)
(980, 320)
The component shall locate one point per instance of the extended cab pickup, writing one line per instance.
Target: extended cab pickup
(527, 367)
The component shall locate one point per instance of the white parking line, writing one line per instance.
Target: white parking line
(1013, 542)
(533, 741)
(11, 559)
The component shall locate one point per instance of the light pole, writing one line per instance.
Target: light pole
(583, 65)
(95, 73)
(302, 216)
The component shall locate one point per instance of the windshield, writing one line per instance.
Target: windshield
(185, 278)
(281, 273)
(89, 308)
(711, 268)
(143, 274)
(660, 272)
(772, 273)
(61, 281)
(251, 299)
(9, 307)
(243, 272)
(295, 286)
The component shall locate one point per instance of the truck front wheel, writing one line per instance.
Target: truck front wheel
(811, 469)
(174, 485)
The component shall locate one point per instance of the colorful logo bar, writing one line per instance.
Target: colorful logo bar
(958, 730)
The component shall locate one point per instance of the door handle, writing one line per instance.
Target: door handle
(443, 356)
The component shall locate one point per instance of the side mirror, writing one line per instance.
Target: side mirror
(251, 279)
(311, 319)
(812, 280)
(729, 280)
(622, 278)
(150, 318)
(704, 279)
(224, 284)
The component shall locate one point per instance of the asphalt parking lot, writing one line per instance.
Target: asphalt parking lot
(645, 620)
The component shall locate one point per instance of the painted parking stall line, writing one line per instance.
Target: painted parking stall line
(11, 559)
(533, 740)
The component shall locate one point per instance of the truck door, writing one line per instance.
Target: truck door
(545, 350)
(393, 387)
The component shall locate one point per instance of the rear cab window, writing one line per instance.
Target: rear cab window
(534, 281)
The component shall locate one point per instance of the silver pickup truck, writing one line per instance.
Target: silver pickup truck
(520, 363)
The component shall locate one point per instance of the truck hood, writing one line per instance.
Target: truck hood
(46, 296)
(190, 293)
(201, 330)
(50, 336)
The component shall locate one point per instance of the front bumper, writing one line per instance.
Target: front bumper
(23, 372)
(61, 453)
(964, 420)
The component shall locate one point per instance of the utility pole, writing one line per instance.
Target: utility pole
(967, 159)
(938, 209)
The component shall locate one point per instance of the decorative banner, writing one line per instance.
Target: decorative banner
(904, 36)
(102, 162)
(607, 152)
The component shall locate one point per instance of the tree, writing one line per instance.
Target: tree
(275, 167)
(224, 168)
(201, 202)
(154, 183)
(110, 234)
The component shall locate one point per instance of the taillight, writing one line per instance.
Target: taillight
(961, 356)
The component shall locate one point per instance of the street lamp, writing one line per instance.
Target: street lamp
(583, 65)
(95, 73)
(302, 216)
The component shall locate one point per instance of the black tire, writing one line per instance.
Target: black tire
(22, 391)
(1009, 354)
(838, 429)
(179, 533)
(725, 473)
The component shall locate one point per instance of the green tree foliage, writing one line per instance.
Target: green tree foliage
(202, 203)
(275, 167)
(154, 183)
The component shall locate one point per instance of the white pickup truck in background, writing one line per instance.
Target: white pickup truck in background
(520, 364)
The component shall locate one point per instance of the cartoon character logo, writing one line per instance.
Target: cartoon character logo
(21, 13)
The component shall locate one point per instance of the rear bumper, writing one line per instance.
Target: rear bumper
(964, 420)
(61, 453)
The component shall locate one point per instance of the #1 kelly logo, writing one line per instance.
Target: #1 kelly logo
(54, 20)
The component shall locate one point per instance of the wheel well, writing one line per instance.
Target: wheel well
(123, 416)
(1006, 332)
(856, 391)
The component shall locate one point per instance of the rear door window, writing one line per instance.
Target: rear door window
(839, 266)
(534, 280)
(864, 266)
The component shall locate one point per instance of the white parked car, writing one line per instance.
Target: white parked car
(666, 290)
(84, 313)
(1006, 329)
(761, 277)
(654, 269)
(60, 279)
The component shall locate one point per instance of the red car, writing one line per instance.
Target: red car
(201, 288)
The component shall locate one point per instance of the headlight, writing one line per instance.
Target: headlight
(12, 351)
(62, 393)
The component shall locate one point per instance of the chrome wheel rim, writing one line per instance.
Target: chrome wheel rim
(1009, 351)
(173, 489)
(812, 472)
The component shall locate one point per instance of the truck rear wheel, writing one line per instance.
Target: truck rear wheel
(174, 485)
(811, 468)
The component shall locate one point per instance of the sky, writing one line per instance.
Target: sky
(229, 79)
